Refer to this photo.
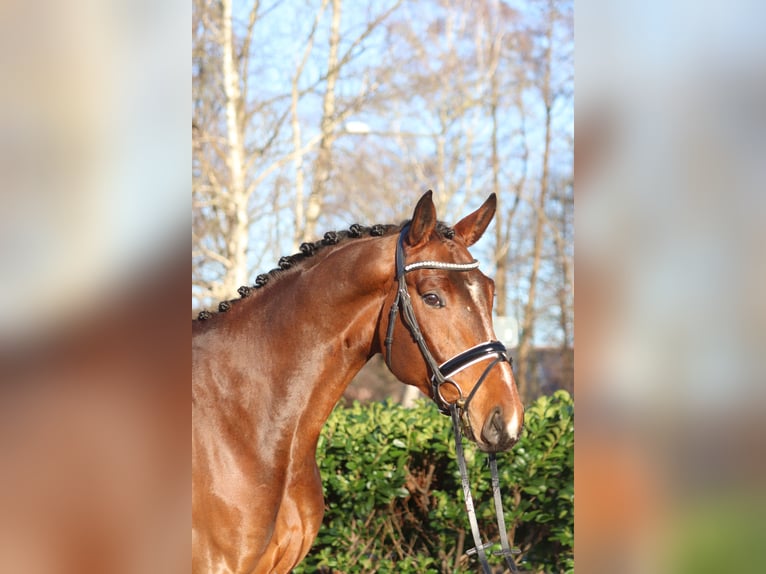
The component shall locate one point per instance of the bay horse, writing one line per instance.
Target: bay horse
(268, 369)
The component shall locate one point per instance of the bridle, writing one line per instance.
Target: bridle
(441, 374)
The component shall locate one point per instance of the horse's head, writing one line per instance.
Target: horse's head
(440, 338)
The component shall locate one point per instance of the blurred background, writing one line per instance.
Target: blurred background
(94, 223)
(671, 158)
(312, 116)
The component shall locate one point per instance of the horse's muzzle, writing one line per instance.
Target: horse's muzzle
(494, 434)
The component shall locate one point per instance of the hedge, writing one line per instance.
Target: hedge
(393, 500)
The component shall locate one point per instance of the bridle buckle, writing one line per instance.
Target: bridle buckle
(441, 402)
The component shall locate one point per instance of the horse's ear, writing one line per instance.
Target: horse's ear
(423, 220)
(473, 226)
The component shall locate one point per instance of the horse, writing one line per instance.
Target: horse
(268, 368)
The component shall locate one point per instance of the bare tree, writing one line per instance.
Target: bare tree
(322, 164)
(548, 96)
(236, 198)
(499, 48)
(240, 148)
(461, 97)
(300, 219)
(221, 193)
(335, 111)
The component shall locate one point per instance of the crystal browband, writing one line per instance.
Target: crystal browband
(441, 265)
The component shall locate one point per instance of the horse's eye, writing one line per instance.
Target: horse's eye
(432, 300)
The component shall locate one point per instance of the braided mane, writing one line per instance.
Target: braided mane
(309, 249)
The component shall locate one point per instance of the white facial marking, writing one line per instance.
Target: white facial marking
(514, 428)
(475, 292)
(514, 425)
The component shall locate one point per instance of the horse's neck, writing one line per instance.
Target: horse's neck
(296, 345)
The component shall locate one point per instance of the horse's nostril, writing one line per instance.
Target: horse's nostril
(497, 420)
(494, 430)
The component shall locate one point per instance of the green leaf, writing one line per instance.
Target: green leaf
(393, 497)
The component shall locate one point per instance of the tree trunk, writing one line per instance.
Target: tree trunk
(298, 162)
(565, 292)
(300, 176)
(501, 247)
(526, 336)
(323, 164)
(236, 198)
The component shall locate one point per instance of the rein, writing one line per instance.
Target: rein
(458, 410)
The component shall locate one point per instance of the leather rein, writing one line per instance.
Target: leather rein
(458, 410)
